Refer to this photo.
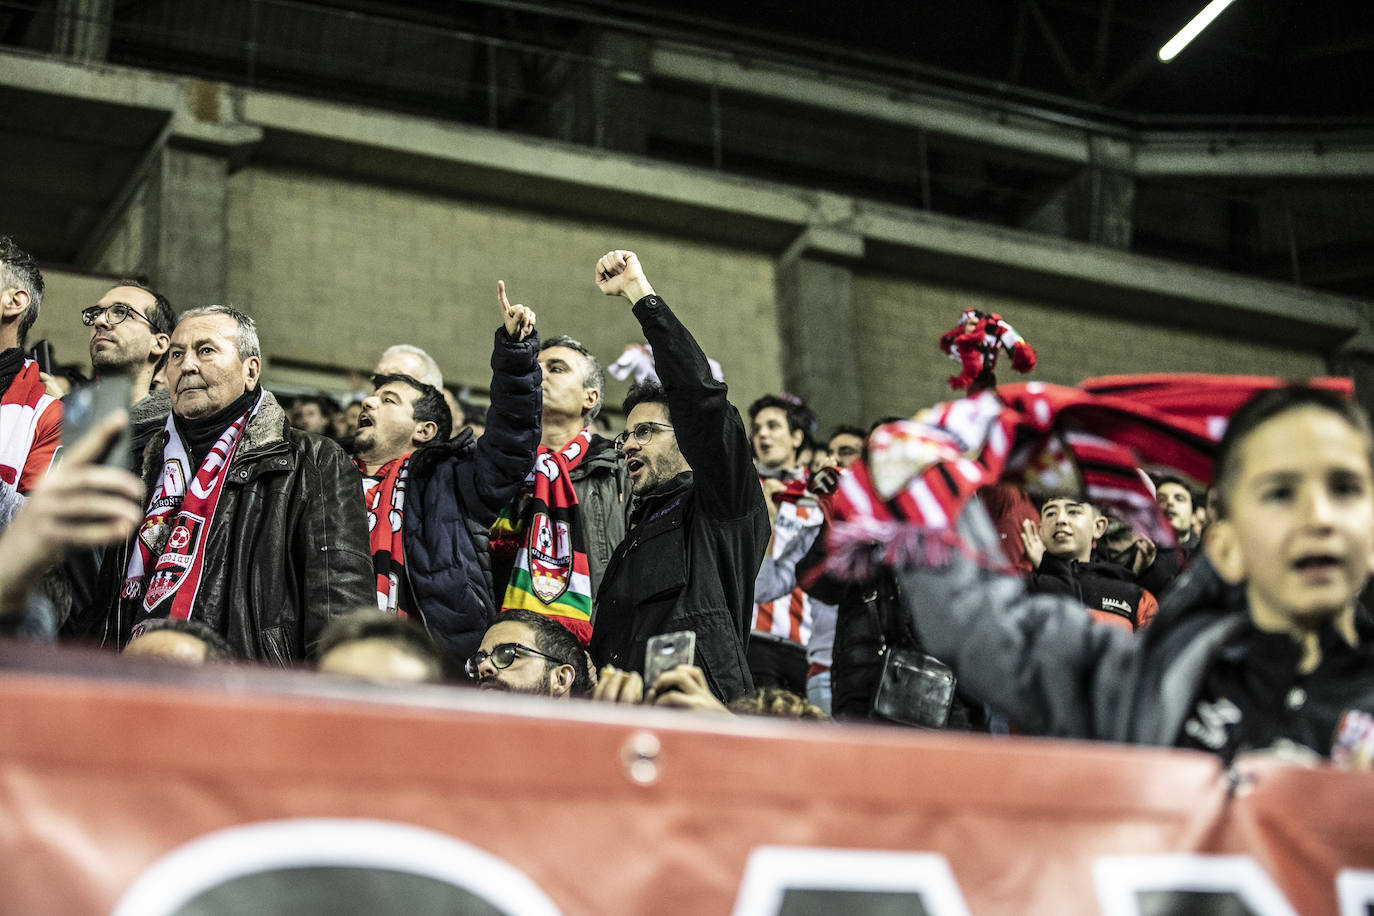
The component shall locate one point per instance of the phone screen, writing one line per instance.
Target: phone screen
(665, 652)
(86, 406)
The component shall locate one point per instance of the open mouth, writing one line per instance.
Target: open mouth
(1317, 562)
(634, 465)
(364, 421)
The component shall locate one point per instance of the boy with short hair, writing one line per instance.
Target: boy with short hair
(1060, 550)
(1295, 527)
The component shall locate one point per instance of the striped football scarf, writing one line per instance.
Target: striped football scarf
(899, 505)
(549, 575)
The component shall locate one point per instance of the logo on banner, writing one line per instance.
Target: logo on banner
(550, 559)
(176, 559)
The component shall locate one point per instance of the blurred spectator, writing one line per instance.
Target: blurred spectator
(405, 359)
(379, 647)
(346, 421)
(455, 410)
(846, 445)
(1176, 504)
(314, 413)
(79, 504)
(186, 642)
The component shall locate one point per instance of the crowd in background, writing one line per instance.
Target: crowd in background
(678, 559)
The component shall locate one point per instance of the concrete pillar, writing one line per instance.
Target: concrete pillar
(603, 102)
(1098, 204)
(1111, 195)
(83, 29)
(185, 226)
(816, 320)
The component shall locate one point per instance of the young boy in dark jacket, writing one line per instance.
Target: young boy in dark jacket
(1060, 550)
(1294, 670)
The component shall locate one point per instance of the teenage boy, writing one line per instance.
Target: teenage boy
(1061, 548)
(1294, 527)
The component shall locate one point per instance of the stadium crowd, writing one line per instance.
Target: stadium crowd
(915, 572)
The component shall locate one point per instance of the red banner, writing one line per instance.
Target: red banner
(151, 790)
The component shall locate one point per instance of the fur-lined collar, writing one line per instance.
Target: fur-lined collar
(264, 430)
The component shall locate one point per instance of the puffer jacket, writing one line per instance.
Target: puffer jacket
(694, 546)
(286, 550)
(456, 489)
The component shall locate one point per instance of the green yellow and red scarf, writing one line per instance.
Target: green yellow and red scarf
(549, 574)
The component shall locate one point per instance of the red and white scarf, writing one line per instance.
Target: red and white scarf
(898, 506)
(176, 528)
(384, 495)
(23, 407)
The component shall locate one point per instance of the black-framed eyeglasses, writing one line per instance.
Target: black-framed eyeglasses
(114, 314)
(642, 433)
(503, 656)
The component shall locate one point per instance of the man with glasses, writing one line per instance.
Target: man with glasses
(131, 328)
(698, 526)
(525, 652)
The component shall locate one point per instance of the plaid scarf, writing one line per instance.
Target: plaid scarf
(384, 499)
(898, 507)
(176, 526)
(549, 573)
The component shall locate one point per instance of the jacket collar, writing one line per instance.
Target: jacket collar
(265, 430)
(649, 503)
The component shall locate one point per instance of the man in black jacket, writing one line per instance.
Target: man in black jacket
(251, 527)
(699, 526)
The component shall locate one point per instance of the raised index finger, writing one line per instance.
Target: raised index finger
(501, 297)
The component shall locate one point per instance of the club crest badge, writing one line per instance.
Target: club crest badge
(176, 559)
(550, 559)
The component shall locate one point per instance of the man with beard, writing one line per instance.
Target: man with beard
(698, 526)
(131, 328)
(525, 652)
(430, 499)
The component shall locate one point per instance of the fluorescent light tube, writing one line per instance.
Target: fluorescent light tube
(1191, 30)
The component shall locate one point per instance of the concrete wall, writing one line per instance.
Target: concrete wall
(899, 323)
(335, 270)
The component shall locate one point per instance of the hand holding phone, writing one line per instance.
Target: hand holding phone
(665, 652)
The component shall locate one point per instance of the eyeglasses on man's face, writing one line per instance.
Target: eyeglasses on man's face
(114, 314)
(641, 433)
(504, 655)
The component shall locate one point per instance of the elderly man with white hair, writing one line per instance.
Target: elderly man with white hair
(252, 527)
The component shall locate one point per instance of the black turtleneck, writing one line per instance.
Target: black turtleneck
(11, 361)
(200, 435)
